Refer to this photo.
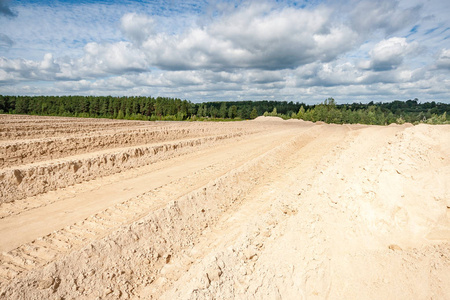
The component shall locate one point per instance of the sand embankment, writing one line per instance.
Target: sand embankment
(266, 209)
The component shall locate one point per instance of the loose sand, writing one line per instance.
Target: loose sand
(263, 209)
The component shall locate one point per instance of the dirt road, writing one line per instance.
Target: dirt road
(264, 209)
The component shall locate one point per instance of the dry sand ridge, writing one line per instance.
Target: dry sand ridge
(263, 209)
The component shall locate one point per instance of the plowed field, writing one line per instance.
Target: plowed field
(263, 209)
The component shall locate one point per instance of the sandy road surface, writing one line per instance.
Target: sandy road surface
(266, 209)
(100, 194)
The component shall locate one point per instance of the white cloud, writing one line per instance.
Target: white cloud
(22, 69)
(137, 27)
(385, 15)
(443, 60)
(60, 28)
(256, 36)
(362, 50)
(116, 58)
(389, 54)
(5, 41)
(5, 10)
(48, 65)
(98, 60)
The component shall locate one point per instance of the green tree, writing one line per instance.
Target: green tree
(232, 112)
(21, 106)
(223, 110)
(213, 112)
(274, 112)
(301, 113)
(200, 111)
(254, 113)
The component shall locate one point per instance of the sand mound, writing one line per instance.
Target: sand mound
(234, 210)
(268, 119)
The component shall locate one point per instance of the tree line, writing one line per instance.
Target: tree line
(377, 113)
(163, 108)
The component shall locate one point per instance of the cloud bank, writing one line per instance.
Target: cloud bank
(5, 10)
(357, 51)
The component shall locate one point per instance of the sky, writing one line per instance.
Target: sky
(301, 51)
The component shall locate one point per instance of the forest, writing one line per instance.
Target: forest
(173, 109)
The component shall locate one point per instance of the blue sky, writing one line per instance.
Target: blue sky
(354, 51)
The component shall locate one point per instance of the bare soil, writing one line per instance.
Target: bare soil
(263, 209)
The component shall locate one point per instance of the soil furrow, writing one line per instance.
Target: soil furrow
(24, 152)
(223, 186)
(121, 214)
(21, 182)
(268, 209)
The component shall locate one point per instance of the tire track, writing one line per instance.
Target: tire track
(21, 152)
(30, 180)
(77, 235)
(163, 238)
